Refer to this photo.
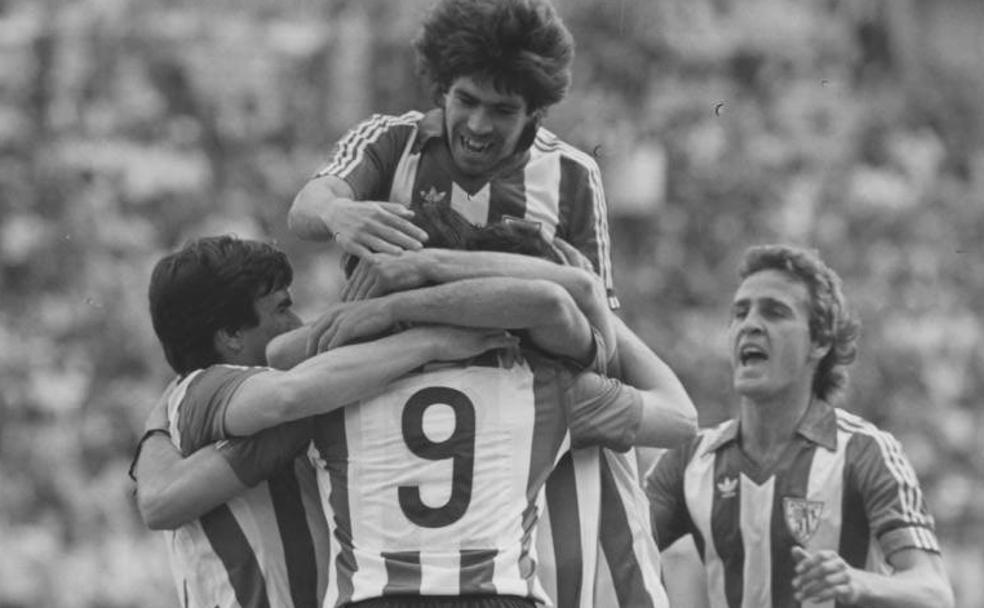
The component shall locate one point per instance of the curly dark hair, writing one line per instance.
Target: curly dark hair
(211, 283)
(520, 46)
(831, 322)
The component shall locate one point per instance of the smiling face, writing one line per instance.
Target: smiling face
(773, 355)
(483, 124)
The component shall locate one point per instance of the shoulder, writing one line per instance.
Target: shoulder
(547, 143)
(379, 125)
(209, 384)
(870, 449)
(861, 432)
(407, 119)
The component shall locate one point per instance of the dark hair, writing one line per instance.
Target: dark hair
(520, 46)
(448, 229)
(831, 322)
(211, 283)
(514, 237)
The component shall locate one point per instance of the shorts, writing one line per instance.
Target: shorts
(434, 601)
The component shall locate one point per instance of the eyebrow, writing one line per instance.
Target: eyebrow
(767, 300)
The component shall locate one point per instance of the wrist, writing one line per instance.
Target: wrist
(426, 264)
(148, 434)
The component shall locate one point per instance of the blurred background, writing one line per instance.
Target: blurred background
(126, 127)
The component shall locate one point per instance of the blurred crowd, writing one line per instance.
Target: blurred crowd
(127, 127)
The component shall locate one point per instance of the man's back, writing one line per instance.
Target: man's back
(433, 486)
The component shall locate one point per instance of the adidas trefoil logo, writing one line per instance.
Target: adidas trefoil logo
(728, 487)
(433, 196)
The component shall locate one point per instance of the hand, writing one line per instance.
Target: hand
(823, 576)
(363, 227)
(456, 343)
(346, 322)
(383, 273)
(573, 257)
(157, 416)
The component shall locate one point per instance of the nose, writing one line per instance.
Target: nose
(751, 323)
(479, 121)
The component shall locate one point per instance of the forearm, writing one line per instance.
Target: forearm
(442, 266)
(311, 208)
(669, 416)
(542, 308)
(288, 349)
(325, 382)
(909, 589)
(172, 491)
(503, 302)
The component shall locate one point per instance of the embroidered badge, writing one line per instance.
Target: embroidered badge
(433, 196)
(802, 517)
(728, 487)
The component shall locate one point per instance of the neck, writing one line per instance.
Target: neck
(769, 423)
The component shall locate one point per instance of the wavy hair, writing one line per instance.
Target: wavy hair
(520, 46)
(831, 322)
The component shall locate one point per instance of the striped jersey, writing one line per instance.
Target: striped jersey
(406, 159)
(266, 547)
(434, 486)
(842, 484)
(594, 542)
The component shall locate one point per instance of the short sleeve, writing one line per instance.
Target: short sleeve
(200, 413)
(259, 456)
(584, 217)
(893, 501)
(367, 155)
(667, 504)
(602, 411)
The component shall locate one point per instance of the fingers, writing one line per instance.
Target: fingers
(318, 330)
(821, 576)
(399, 231)
(799, 554)
(157, 417)
(500, 339)
(353, 287)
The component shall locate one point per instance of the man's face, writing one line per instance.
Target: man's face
(483, 125)
(771, 350)
(276, 317)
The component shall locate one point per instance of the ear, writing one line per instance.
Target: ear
(228, 343)
(819, 350)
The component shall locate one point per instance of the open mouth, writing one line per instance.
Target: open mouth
(750, 354)
(475, 146)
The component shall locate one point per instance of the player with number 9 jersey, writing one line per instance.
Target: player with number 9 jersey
(433, 487)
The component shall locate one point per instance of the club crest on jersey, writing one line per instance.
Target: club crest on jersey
(728, 487)
(802, 517)
(432, 196)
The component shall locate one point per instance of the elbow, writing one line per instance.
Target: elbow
(688, 420)
(286, 403)
(942, 594)
(155, 513)
(681, 429)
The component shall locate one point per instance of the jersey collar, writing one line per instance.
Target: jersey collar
(819, 425)
(431, 127)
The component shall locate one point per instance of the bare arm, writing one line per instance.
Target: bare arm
(338, 377)
(669, 416)
(383, 274)
(324, 209)
(544, 309)
(172, 490)
(919, 580)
